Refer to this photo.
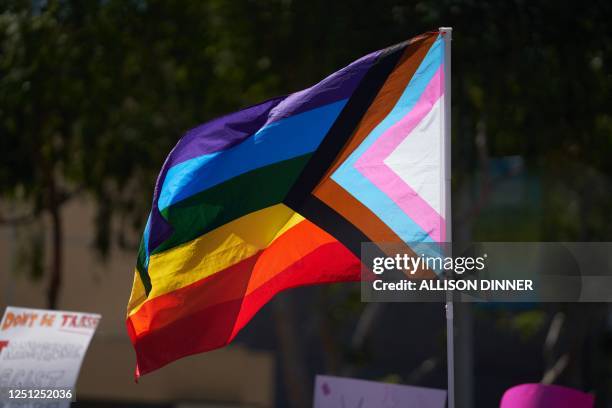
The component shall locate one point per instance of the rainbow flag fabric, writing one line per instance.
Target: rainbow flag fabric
(283, 193)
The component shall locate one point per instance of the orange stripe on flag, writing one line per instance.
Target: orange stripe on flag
(219, 305)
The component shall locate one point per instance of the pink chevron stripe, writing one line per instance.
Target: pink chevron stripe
(372, 166)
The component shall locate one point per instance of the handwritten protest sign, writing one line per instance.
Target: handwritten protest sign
(336, 392)
(41, 352)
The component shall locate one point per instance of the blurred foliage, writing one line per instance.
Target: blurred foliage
(94, 93)
(527, 324)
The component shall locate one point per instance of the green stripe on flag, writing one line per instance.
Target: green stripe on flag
(227, 201)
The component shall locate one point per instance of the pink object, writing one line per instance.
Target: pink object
(545, 396)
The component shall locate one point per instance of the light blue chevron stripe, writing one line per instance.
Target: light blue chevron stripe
(365, 191)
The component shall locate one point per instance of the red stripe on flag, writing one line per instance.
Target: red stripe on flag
(215, 325)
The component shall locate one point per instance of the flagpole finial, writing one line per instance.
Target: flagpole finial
(446, 31)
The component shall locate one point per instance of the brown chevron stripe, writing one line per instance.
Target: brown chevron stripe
(387, 97)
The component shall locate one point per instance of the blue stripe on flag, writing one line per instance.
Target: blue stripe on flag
(282, 140)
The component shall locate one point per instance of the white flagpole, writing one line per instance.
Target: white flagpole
(447, 33)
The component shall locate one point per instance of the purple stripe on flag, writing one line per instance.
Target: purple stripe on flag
(222, 133)
(339, 85)
(229, 130)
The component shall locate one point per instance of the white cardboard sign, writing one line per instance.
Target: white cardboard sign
(337, 392)
(42, 350)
